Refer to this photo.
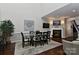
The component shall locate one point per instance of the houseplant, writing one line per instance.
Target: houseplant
(7, 28)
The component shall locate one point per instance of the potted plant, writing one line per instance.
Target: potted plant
(7, 28)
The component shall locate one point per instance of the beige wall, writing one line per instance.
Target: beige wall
(18, 12)
(68, 28)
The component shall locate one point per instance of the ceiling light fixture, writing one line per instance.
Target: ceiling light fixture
(73, 10)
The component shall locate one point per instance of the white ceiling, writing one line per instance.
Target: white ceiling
(70, 10)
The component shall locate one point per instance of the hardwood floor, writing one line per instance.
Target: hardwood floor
(9, 50)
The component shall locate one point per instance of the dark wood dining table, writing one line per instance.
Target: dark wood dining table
(33, 38)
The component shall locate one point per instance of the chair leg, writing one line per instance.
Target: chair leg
(47, 41)
(23, 45)
(41, 43)
(35, 44)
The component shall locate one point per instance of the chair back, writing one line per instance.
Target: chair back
(38, 36)
(45, 36)
(32, 33)
(48, 34)
(37, 32)
(22, 36)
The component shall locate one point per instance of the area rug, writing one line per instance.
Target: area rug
(31, 50)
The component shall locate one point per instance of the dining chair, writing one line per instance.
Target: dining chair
(48, 35)
(24, 40)
(45, 37)
(41, 39)
(38, 38)
(32, 35)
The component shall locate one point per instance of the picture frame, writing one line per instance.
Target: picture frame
(56, 22)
